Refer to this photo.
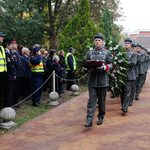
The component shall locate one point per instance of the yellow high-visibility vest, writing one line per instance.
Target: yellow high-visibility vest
(3, 63)
(74, 62)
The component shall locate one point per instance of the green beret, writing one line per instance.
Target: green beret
(99, 35)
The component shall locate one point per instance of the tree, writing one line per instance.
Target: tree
(106, 19)
(22, 21)
(60, 12)
(78, 33)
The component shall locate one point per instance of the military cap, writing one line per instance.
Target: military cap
(134, 45)
(7, 41)
(2, 34)
(13, 40)
(99, 35)
(36, 49)
(128, 40)
(139, 45)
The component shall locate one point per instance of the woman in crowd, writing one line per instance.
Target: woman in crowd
(59, 73)
(61, 54)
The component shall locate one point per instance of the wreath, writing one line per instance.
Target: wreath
(118, 73)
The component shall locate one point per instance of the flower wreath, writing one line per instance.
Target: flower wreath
(117, 74)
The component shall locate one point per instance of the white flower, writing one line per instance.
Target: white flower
(119, 54)
(114, 71)
(116, 58)
(110, 48)
(110, 42)
(91, 48)
(112, 75)
(112, 88)
(118, 71)
(116, 85)
(115, 63)
(115, 48)
(119, 61)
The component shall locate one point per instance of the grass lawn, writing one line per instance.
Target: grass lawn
(28, 112)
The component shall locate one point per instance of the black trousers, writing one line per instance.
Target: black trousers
(2, 86)
(95, 93)
(26, 87)
(17, 88)
(9, 94)
(70, 76)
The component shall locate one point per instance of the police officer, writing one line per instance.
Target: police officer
(19, 70)
(11, 75)
(37, 70)
(141, 78)
(98, 80)
(71, 67)
(131, 77)
(3, 68)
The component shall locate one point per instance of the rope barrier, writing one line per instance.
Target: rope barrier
(33, 92)
(44, 84)
(71, 79)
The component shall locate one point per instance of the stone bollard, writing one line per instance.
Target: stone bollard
(7, 114)
(53, 95)
(75, 88)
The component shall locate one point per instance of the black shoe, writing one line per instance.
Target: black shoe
(69, 89)
(136, 98)
(36, 104)
(112, 96)
(59, 101)
(124, 110)
(62, 92)
(17, 106)
(100, 121)
(130, 103)
(88, 124)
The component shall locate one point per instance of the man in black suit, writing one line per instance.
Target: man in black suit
(11, 75)
(26, 86)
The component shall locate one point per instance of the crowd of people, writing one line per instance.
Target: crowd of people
(23, 71)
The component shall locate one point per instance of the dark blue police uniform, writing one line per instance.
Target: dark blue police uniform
(37, 76)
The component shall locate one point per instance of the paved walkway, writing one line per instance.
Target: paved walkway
(62, 128)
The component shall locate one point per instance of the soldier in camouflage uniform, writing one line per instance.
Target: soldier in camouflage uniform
(131, 77)
(98, 80)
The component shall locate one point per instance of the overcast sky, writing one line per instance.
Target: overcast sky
(137, 13)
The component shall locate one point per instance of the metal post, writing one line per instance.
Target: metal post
(54, 81)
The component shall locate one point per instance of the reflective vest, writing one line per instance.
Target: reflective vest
(74, 62)
(37, 68)
(3, 63)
